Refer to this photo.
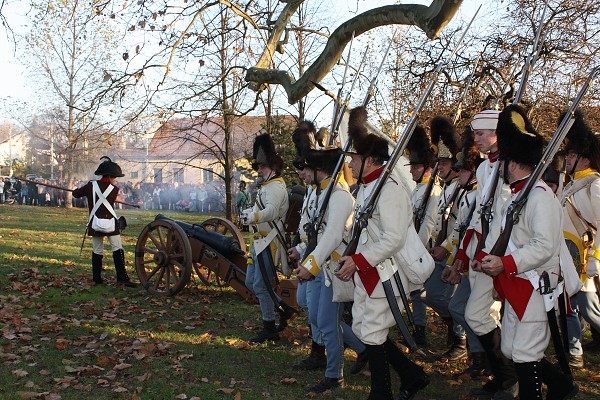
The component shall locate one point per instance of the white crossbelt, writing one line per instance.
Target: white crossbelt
(101, 199)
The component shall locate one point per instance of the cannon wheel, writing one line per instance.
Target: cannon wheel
(226, 228)
(163, 258)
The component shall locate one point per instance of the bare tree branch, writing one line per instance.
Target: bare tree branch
(430, 19)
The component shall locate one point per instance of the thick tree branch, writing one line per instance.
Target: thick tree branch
(431, 20)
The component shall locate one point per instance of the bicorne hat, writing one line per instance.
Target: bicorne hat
(108, 168)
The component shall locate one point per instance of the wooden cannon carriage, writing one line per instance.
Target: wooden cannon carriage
(168, 251)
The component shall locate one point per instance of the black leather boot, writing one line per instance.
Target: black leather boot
(381, 384)
(316, 359)
(530, 380)
(505, 376)
(122, 277)
(560, 386)
(477, 367)
(412, 376)
(97, 268)
(457, 351)
(420, 336)
(269, 332)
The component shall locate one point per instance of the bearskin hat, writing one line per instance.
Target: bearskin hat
(469, 157)
(517, 138)
(325, 159)
(365, 144)
(264, 153)
(445, 140)
(304, 140)
(108, 168)
(419, 148)
(582, 139)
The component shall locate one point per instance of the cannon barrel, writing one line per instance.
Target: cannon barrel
(225, 245)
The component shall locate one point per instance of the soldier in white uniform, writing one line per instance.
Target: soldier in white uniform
(581, 207)
(482, 312)
(304, 138)
(533, 249)
(425, 210)
(468, 161)
(446, 143)
(383, 237)
(266, 217)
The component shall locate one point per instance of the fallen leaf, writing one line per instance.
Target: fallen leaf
(121, 367)
(288, 381)
(20, 372)
(225, 390)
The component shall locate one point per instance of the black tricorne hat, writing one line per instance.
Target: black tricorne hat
(264, 153)
(365, 144)
(469, 157)
(419, 149)
(517, 138)
(444, 138)
(108, 168)
(582, 139)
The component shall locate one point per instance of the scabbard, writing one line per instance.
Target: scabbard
(391, 298)
(404, 298)
(557, 341)
(264, 261)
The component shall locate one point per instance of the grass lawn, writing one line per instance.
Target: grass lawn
(63, 338)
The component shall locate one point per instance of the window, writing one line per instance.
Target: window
(178, 175)
(134, 175)
(157, 175)
(207, 175)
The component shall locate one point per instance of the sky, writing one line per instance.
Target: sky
(16, 84)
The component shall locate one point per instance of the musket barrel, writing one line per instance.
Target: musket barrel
(70, 190)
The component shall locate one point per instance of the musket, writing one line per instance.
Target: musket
(422, 210)
(532, 57)
(516, 206)
(443, 233)
(336, 104)
(463, 96)
(314, 225)
(362, 216)
(488, 200)
(70, 190)
(339, 116)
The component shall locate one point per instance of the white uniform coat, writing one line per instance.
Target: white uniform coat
(586, 200)
(535, 243)
(337, 221)
(270, 207)
(380, 241)
(482, 312)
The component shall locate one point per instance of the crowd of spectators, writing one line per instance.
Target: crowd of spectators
(206, 198)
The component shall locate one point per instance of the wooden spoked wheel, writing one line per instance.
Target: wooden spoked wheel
(163, 258)
(225, 228)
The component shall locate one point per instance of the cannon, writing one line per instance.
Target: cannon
(168, 251)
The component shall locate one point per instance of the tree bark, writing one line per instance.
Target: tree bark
(430, 19)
